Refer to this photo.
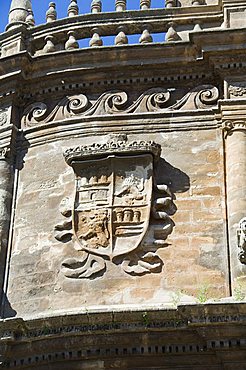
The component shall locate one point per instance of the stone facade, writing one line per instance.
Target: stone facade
(123, 182)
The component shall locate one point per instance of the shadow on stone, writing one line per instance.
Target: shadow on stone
(7, 311)
(177, 180)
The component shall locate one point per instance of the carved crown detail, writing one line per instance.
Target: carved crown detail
(111, 147)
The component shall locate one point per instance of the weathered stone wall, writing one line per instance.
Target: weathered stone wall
(194, 258)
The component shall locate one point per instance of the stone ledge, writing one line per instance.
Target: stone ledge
(188, 335)
(124, 318)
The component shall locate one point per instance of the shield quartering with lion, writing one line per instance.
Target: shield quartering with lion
(113, 196)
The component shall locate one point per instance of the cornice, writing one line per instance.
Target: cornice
(122, 317)
(172, 62)
(194, 329)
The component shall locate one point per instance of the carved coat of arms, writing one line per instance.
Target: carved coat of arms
(112, 206)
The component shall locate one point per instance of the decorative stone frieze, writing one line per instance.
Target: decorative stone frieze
(116, 199)
(241, 235)
(237, 91)
(118, 102)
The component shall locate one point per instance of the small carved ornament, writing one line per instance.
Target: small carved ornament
(241, 237)
(118, 214)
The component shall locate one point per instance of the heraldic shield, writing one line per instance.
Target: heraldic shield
(112, 203)
(112, 206)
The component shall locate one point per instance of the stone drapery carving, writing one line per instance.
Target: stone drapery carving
(117, 102)
(241, 236)
(118, 215)
(231, 126)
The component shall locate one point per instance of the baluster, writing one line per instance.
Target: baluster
(145, 4)
(171, 3)
(120, 5)
(73, 9)
(198, 2)
(146, 36)
(121, 38)
(71, 42)
(197, 28)
(50, 44)
(30, 18)
(51, 14)
(96, 6)
(96, 39)
(172, 34)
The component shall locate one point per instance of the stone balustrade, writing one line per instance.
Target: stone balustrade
(123, 26)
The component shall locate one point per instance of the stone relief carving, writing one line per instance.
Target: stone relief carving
(241, 236)
(118, 214)
(237, 91)
(230, 126)
(3, 118)
(118, 102)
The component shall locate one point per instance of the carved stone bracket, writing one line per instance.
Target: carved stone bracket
(118, 214)
(117, 102)
(231, 126)
(241, 237)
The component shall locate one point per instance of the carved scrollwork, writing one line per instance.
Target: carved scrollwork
(142, 264)
(208, 96)
(77, 104)
(163, 207)
(35, 113)
(64, 230)
(202, 97)
(84, 268)
(158, 100)
(241, 236)
(118, 215)
(117, 102)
